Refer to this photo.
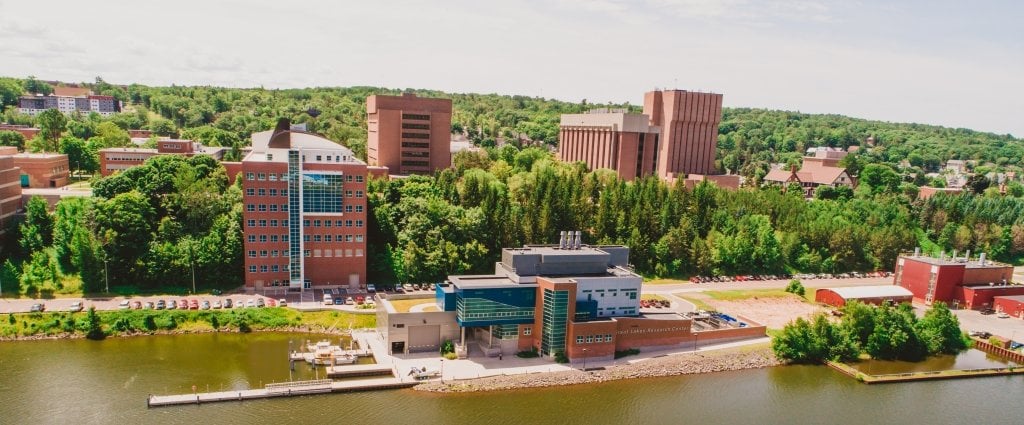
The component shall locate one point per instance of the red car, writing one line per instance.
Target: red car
(360, 300)
(183, 304)
(136, 305)
(193, 305)
(271, 302)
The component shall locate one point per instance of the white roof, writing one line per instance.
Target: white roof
(881, 291)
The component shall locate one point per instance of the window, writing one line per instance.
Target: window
(327, 223)
(273, 238)
(250, 192)
(348, 223)
(359, 194)
(359, 253)
(273, 207)
(261, 176)
(284, 238)
(305, 223)
(316, 223)
(252, 238)
(359, 238)
(527, 331)
(306, 238)
(261, 191)
(284, 207)
(250, 223)
(263, 269)
(274, 268)
(264, 254)
(317, 238)
(579, 339)
(273, 192)
(272, 177)
(263, 223)
(348, 193)
(263, 207)
(250, 208)
(284, 223)
(252, 269)
(348, 208)
(273, 223)
(359, 223)
(263, 238)
(284, 192)
(348, 178)
(327, 238)
(250, 176)
(359, 179)
(274, 254)
(321, 193)
(306, 253)
(419, 117)
(608, 338)
(337, 223)
(252, 253)
(319, 158)
(359, 208)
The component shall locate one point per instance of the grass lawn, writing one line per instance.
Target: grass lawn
(666, 281)
(701, 305)
(736, 295)
(654, 297)
(403, 306)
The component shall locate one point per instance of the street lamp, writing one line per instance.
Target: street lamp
(442, 370)
(106, 274)
(584, 359)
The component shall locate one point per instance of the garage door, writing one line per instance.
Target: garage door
(424, 338)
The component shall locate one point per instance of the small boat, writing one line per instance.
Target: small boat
(423, 373)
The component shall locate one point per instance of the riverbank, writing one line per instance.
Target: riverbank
(739, 358)
(128, 323)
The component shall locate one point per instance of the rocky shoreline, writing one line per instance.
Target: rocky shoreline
(682, 364)
(292, 329)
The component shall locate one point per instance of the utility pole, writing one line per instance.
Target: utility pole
(192, 260)
(106, 274)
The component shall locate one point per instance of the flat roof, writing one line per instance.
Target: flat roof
(880, 291)
(485, 281)
(989, 287)
(1017, 298)
(555, 250)
(971, 264)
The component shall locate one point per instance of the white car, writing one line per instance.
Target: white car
(76, 307)
(1003, 315)
(124, 305)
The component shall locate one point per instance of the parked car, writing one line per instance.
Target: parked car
(260, 302)
(339, 300)
(981, 334)
(183, 304)
(148, 305)
(282, 302)
(370, 288)
(124, 305)
(216, 304)
(76, 307)
(37, 308)
(988, 311)
(172, 305)
(161, 304)
(360, 300)
(227, 303)
(407, 287)
(205, 305)
(250, 303)
(136, 305)
(271, 302)
(349, 301)
(193, 304)
(328, 300)
(433, 286)
(1003, 315)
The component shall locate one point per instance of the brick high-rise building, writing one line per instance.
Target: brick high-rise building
(616, 140)
(689, 130)
(408, 134)
(10, 186)
(305, 212)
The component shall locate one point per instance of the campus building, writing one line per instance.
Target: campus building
(580, 300)
(962, 282)
(117, 159)
(408, 134)
(875, 295)
(689, 130)
(614, 139)
(820, 168)
(42, 170)
(305, 212)
(10, 186)
(27, 132)
(69, 100)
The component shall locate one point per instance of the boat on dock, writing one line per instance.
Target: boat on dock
(323, 353)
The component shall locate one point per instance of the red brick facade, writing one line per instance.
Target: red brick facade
(10, 188)
(689, 130)
(965, 283)
(44, 169)
(408, 134)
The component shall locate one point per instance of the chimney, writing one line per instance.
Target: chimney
(579, 239)
(942, 255)
(981, 259)
(954, 255)
(968, 256)
(561, 240)
(917, 251)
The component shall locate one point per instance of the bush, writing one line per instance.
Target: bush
(628, 352)
(528, 354)
(149, 323)
(560, 357)
(214, 322)
(93, 330)
(447, 347)
(795, 287)
(451, 356)
(243, 326)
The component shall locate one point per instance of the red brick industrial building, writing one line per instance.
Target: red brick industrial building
(408, 134)
(305, 212)
(117, 159)
(617, 140)
(961, 282)
(1012, 305)
(27, 132)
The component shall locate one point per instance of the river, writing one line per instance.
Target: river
(80, 381)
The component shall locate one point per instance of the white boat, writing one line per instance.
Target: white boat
(423, 373)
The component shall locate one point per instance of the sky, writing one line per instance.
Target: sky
(951, 63)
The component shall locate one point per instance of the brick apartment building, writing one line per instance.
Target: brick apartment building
(42, 170)
(961, 282)
(117, 159)
(27, 132)
(305, 212)
(408, 134)
(10, 186)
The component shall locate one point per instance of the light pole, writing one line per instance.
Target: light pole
(106, 275)
(442, 370)
(584, 359)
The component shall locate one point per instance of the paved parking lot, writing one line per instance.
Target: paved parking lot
(971, 320)
(22, 305)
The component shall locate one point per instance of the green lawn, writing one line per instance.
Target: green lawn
(653, 297)
(736, 295)
(666, 281)
(701, 305)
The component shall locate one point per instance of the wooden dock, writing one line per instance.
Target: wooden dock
(284, 389)
(348, 371)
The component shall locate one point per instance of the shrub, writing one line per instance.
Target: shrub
(243, 326)
(447, 347)
(560, 357)
(451, 356)
(149, 323)
(627, 352)
(528, 354)
(93, 330)
(795, 287)
(214, 322)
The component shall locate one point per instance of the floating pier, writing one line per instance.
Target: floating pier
(283, 389)
(349, 371)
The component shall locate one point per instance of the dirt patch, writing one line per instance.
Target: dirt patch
(773, 312)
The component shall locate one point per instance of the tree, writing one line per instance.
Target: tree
(38, 271)
(879, 178)
(51, 124)
(109, 135)
(814, 341)
(10, 277)
(940, 330)
(10, 91)
(795, 287)
(859, 320)
(93, 328)
(163, 127)
(34, 86)
(895, 335)
(12, 138)
(81, 155)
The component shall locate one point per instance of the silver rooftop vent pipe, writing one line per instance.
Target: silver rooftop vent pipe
(579, 239)
(561, 240)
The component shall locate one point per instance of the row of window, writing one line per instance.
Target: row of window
(284, 223)
(499, 314)
(592, 339)
(327, 223)
(269, 269)
(309, 253)
(416, 163)
(284, 208)
(416, 126)
(263, 192)
(631, 293)
(284, 176)
(415, 135)
(421, 117)
(316, 238)
(415, 145)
